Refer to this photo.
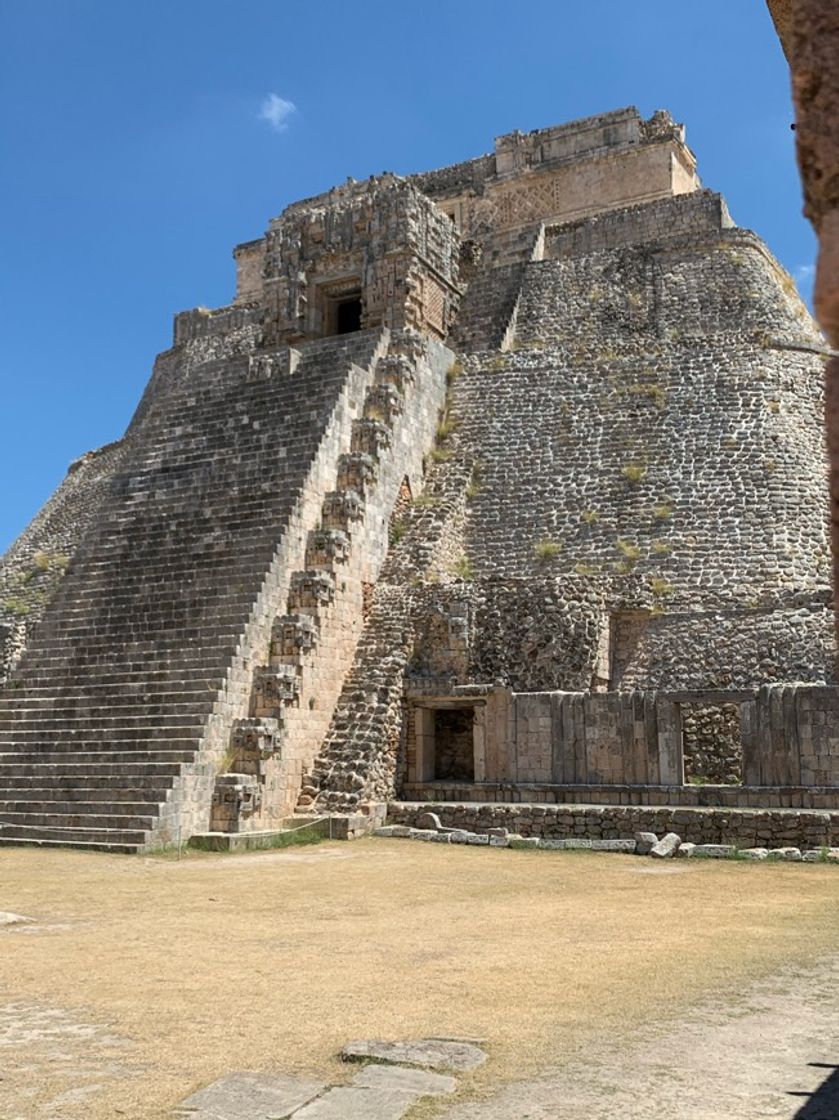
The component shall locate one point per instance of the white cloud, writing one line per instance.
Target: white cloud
(276, 111)
(805, 276)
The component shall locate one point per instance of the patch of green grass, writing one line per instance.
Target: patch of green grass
(590, 516)
(18, 607)
(440, 455)
(453, 372)
(445, 426)
(661, 548)
(660, 587)
(631, 552)
(663, 511)
(547, 549)
(657, 394)
(397, 532)
(634, 472)
(462, 568)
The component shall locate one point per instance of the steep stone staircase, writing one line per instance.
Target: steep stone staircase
(314, 642)
(127, 673)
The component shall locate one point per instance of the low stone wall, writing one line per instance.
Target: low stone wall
(769, 828)
(689, 796)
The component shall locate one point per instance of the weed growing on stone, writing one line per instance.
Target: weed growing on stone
(634, 472)
(453, 372)
(590, 516)
(663, 511)
(631, 552)
(660, 587)
(18, 607)
(547, 549)
(462, 568)
(653, 392)
(661, 548)
(445, 426)
(426, 501)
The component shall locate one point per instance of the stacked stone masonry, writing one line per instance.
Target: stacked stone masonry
(529, 445)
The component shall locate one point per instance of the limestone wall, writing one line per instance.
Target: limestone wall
(35, 564)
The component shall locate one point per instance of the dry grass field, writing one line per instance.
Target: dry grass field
(142, 979)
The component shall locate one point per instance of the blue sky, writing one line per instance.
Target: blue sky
(140, 142)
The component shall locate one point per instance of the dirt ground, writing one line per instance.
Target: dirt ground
(142, 979)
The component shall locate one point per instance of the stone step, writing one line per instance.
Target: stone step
(53, 818)
(77, 733)
(36, 839)
(73, 794)
(85, 770)
(23, 720)
(81, 753)
(40, 779)
(116, 839)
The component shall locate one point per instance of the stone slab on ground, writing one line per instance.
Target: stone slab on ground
(791, 854)
(754, 853)
(404, 1079)
(249, 1096)
(430, 1053)
(356, 1103)
(714, 851)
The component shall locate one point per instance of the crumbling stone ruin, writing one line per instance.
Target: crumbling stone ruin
(498, 483)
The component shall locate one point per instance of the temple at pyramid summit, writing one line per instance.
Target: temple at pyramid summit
(496, 491)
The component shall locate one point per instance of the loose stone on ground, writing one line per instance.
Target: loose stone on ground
(404, 1080)
(430, 1053)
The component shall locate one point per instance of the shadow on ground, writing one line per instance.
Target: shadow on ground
(824, 1102)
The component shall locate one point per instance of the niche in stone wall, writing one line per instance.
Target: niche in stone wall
(444, 744)
(712, 744)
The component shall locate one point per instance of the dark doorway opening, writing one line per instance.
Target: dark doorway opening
(454, 745)
(348, 315)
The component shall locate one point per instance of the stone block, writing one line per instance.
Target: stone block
(249, 1096)
(754, 853)
(714, 851)
(613, 845)
(666, 847)
(644, 842)
(406, 1080)
(428, 821)
(685, 850)
(428, 1053)
(355, 1102)
(791, 854)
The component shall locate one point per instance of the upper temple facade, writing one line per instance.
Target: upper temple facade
(499, 482)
